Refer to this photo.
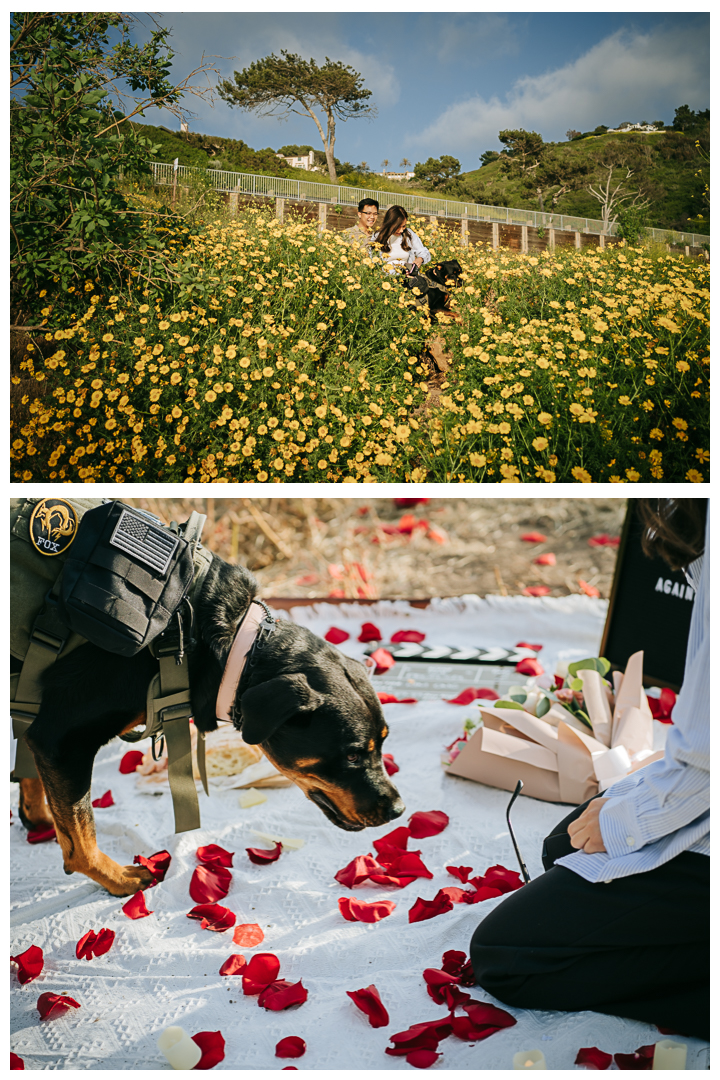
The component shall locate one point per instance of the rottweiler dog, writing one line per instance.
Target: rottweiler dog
(435, 285)
(312, 710)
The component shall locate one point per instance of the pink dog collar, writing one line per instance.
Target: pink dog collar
(237, 656)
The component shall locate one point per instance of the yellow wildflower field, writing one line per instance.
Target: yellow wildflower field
(294, 356)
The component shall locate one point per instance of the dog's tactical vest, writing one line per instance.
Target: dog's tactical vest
(99, 571)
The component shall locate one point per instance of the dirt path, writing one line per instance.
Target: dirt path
(443, 547)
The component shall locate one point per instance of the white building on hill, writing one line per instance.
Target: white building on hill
(306, 162)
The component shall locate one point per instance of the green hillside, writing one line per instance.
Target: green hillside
(667, 166)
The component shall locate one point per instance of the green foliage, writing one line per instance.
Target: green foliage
(690, 122)
(168, 145)
(70, 143)
(438, 172)
(279, 85)
(631, 223)
(488, 156)
(523, 150)
(594, 663)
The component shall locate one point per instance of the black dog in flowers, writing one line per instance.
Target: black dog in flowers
(312, 710)
(435, 285)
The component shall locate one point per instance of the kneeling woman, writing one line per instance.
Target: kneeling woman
(400, 247)
(620, 921)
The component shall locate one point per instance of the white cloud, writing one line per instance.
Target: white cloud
(620, 78)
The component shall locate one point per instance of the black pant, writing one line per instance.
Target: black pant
(637, 946)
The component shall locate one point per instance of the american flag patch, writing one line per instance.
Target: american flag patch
(145, 542)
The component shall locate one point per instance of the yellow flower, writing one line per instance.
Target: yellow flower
(267, 372)
(682, 365)
(155, 394)
(107, 337)
(210, 395)
(633, 475)
(386, 285)
(176, 412)
(478, 460)
(144, 308)
(576, 409)
(545, 418)
(582, 475)
(694, 476)
(262, 477)
(624, 400)
(656, 433)
(181, 341)
(175, 378)
(578, 335)
(540, 443)
(681, 425)
(96, 384)
(383, 459)
(164, 325)
(322, 464)
(703, 456)
(504, 428)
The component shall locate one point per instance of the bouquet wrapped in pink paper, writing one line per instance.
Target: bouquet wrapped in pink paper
(566, 744)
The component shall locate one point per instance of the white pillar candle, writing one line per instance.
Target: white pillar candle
(669, 1055)
(529, 1059)
(179, 1049)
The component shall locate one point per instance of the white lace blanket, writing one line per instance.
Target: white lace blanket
(163, 970)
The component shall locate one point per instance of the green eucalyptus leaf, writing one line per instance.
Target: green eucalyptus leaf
(504, 704)
(543, 706)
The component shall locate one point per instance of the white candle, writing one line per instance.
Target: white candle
(179, 1049)
(669, 1055)
(529, 1059)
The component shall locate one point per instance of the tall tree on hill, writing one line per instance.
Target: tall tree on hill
(541, 170)
(438, 172)
(279, 85)
(523, 150)
(616, 194)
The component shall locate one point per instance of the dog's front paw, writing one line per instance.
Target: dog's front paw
(119, 880)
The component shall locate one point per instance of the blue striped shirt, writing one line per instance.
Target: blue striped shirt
(664, 809)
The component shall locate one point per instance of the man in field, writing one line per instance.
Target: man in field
(367, 217)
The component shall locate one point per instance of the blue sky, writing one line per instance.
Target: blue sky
(446, 84)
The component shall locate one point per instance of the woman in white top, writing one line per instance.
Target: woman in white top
(399, 246)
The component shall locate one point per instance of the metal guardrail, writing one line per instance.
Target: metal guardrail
(339, 195)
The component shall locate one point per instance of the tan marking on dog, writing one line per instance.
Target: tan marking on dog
(371, 746)
(307, 762)
(141, 718)
(341, 799)
(383, 733)
(33, 808)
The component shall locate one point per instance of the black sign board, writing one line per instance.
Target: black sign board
(650, 609)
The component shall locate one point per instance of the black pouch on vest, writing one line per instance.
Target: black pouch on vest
(124, 578)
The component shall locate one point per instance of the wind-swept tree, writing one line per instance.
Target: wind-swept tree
(438, 171)
(280, 85)
(616, 193)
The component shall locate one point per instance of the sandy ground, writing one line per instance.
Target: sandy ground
(342, 547)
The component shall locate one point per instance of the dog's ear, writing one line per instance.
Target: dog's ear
(266, 707)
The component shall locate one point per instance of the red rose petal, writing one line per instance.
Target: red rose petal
(212, 854)
(389, 762)
(262, 970)
(16, 1062)
(357, 871)
(596, 1059)
(546, 559)
(52, 1005)
(40, 836)
(420, 1037)
(368, 1001)
(369, 632)
(209, 884)
(234, 965)
(212, 1045)
(603, 540)
(104, 800)
(390, 699)
(641, 1059)
(408, 865)
(499, 877)
(537, 590)
(407, 504)
(662, 707)
(358, 911)
(135, 908)
(281, 995)
(383, 661)
(454, 894)
(482, 1014)
(130, 761)
(482, 892)
(589, 590)
(460, 872)
(527, 645)
(307, 579)
(92, 944)
(422, 1059)
(534, 538)
(158, 864)
(261, 856)
(213, 917)
(286, 1067)
(335, 636)
(437, 982)
(248, 935)
(457, 963)
(292, 1046)
(463, 1028)
(427, 823)
(30, 964)
(429, 909)
(415, 636)
(397, 838)
(473, 693)
(529, 666)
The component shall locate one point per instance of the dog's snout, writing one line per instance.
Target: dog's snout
(396, 809)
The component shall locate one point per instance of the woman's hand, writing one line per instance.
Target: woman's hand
(584, 832)
(418, 261)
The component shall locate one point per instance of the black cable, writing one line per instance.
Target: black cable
(523, 867)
